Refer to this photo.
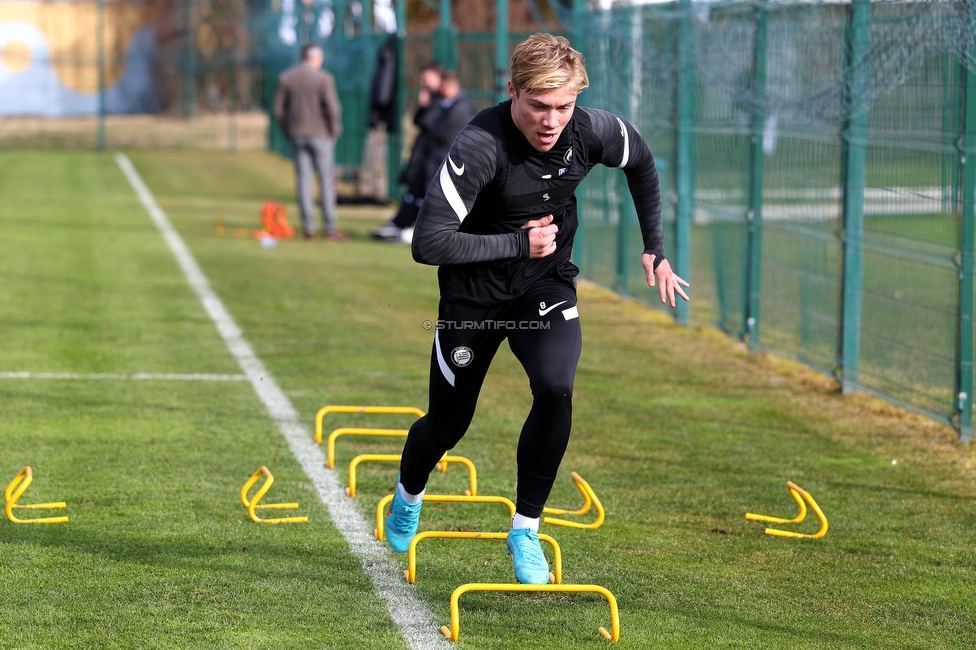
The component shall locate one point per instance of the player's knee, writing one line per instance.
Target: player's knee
(553, 391)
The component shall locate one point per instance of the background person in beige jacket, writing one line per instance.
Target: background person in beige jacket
(308, 111)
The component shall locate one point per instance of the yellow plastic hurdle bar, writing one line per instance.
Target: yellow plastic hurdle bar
(391, 410)
(455, 629)
(799, 495)
(358, 431)
(13, 492)
(411, 573)
(379, 532)
(589, 498)
(254, 504)
(395, 458)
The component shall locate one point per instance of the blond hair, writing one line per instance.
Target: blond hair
(543, 62)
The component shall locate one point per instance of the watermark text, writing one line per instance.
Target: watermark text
(487, 324)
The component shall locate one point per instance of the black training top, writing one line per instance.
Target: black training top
(493, 182)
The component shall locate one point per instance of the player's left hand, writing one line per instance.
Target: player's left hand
(664, 278)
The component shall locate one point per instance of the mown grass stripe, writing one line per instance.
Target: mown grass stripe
(411, 616)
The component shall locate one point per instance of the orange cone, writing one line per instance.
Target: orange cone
(274, 222)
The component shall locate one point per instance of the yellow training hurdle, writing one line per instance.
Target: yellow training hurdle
(392, 410)
(455, 629)
(589, 498)
(395, 458)
(12, 493)
(440, 498)
(799, 495)
(253, 504)
(411, 573)
(358, 431)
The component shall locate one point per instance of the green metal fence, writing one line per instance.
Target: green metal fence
(817, 193)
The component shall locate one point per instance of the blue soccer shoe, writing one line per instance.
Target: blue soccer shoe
(531, 567)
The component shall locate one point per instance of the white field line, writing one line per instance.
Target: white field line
(411, 616)
(811, 211)
(924, 193)
(136, 376)
(822, 204)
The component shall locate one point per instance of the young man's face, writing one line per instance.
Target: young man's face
(430, 81)
(541, 117)
(450, 88)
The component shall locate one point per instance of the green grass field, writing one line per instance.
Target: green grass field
(677, 430)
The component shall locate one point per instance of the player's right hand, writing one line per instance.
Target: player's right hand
(542, 237)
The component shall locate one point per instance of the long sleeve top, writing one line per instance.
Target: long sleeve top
(493, 182)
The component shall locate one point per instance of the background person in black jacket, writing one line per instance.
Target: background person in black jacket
(442, 113)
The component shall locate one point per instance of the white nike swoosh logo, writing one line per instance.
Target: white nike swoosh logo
(623, 132)
(457, 170)
(543, 312)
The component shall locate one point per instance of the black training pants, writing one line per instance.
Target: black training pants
(543, 331)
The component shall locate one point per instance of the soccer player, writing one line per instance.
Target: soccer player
(499, 221)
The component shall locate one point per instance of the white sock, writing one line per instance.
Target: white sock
(521, 521)
(411, 498)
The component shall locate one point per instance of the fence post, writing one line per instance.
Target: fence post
(188, 60)
(967, 159)
(756, 154)
(627, 210)
(100, 62)
(445, 39)
(684, 151)
(501, 50)
(627, 215)
(394, 138)
(578, 19)
(858, 35)
(950, 166)
(577, 27)
(367, 27)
